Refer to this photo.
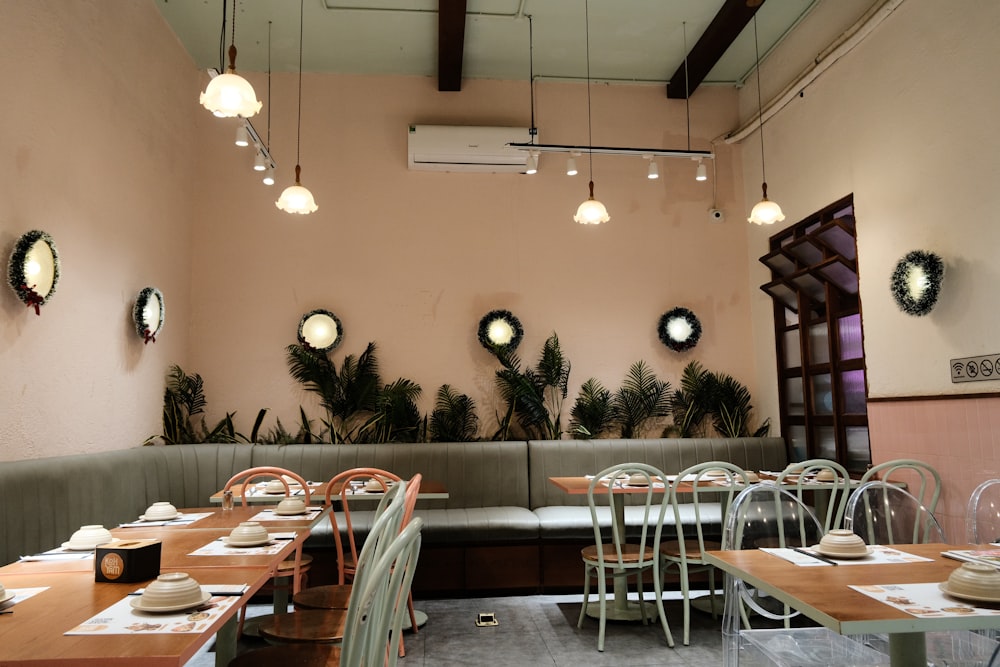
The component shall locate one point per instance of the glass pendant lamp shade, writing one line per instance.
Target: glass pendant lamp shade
(296, 198)
(229, 95)
(591, 211)
(766, 212)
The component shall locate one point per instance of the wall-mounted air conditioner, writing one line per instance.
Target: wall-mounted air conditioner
(466, 148)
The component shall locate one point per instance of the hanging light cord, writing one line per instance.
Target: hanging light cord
(590, 126)
(232, 40)
(298, 133)
(268, 85)
(531, 75)
(760, 108)
(687, 93)
(222, 39)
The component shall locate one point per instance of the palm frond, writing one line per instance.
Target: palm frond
(592, 414)
(454, 417)
(641, 398)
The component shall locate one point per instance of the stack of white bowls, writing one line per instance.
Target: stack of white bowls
(172, 591)
(160, 511)
(88, 537)
(248, 534)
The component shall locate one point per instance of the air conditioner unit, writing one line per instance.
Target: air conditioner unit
(466, 148)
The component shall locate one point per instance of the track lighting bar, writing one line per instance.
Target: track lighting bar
(610, 150)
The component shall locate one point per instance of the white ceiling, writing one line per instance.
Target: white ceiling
(630, 40)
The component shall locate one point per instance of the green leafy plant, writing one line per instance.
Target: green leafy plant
(691, 403)
(183, 400)
(534, 396)
(730, 408)
(592, 415)
(359, 408)
(641, 398)
(454, 418)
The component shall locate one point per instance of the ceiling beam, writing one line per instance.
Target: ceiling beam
(451, 44)
(716, 40)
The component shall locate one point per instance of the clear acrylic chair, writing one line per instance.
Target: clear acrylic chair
(982, 516)
(923, 481)
(829, 503)
(760, 513)
(701, 495)
(621, 558)
(883, 513)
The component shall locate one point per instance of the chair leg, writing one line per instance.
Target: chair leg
(586, 595)
(602, 589)
(658, 590)
(711, 592)
(642, 597)
(686, 594)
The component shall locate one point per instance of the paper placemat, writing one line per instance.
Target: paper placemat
(923, 600)
(260, 491)
(881, 555)
(22, 594)
(121, 619)
(220, 548)
(180, 520)
(271, 515)
(56, 555)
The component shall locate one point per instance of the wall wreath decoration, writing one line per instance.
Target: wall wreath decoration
(148, 314)
(500, 329)
(916, 282)
(679, 329)
(320, 330)
(33, 271)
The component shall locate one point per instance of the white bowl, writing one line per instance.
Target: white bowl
(374, 486)
(274, 486)
(160, 511)
(5, 594)
(976, 580)
(752, 477)
(88, 537)
(248, 533)
(825, 475)
(173, 590)
(714, 472)
(843, 542)
(638, 480)
(290, 506)
(291, 481)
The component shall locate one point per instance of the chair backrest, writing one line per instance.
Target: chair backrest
(765, 512)
(287, 478)
(797, 475)
(883, 513)
(928, 486)
(700, 482)
(655, 506)
(760, 512)
(343, 486)
(375, 611)
(384, 530)
(982, 515)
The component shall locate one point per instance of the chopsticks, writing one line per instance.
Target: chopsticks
(812, 554)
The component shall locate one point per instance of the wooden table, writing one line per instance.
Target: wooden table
(33, 634)
(429, 490)
(825, 597)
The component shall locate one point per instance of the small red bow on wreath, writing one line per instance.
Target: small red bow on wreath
(31, 298)
(147, 336)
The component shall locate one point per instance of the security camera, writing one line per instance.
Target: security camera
(715, 215)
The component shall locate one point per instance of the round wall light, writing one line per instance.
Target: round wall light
(320, 330)
(148, 314)
(33, 271)
(499, 329)
(679, 329)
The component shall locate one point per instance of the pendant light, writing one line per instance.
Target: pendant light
(591, 211)
(229, 94)
(296, 198)
(766, 212)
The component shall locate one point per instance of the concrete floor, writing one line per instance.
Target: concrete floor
(537, 630)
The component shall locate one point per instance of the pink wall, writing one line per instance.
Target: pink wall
(95, 149)
(959, 437)
(412, 260)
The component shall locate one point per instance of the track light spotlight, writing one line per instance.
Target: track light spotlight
(702, 173)
(242, 136)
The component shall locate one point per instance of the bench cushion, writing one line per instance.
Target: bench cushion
(572, 522)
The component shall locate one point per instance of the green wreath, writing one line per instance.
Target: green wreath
(17, 277)
(679, 329)
(916, 282)
(503, 325)
(139, 317)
